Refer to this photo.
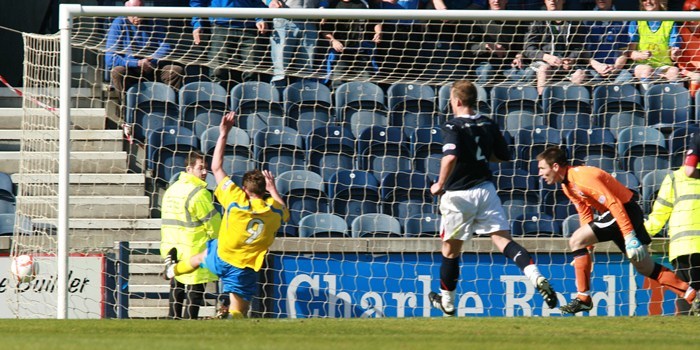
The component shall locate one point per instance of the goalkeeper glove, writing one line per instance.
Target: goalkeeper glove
(635, 250)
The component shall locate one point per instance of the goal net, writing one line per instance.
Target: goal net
(344, 106)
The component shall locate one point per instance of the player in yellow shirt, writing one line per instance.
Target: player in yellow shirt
(250, 223)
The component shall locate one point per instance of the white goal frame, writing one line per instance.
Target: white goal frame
(70, 11)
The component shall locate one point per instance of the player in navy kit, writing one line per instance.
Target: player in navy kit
(469, 203)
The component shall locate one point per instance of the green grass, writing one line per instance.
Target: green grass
(659, 333)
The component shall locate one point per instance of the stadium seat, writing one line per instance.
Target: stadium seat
(567, 107)
(516, 107)
(201, 101)
(423, 225)
(307, 104)
(353, 193)
(279, 149)
(323, 225)
(329, 149)
(427, 151)
(667, 106)
(570, 225)
(257, 105)
(360, 105)
(628, 179)
(678, 142)
(7, 223)
(617, 106)
(535, 225)
(651, 182)
(482, 97)
(406, 194)
(517, 190)
(238, 156)
(596, 141)
(529, 142)
(557, 205)
(642, 149)
(412, 105)
(376, 226)
(304, 193)
(6, 186)
(150, 106)
(382, 150)
(167, 150)
(606, 163)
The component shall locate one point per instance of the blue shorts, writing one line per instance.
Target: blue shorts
(242, 282)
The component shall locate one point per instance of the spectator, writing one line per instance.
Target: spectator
(621, 221)
(250, 224)
(235, 48)
(189, 220)
(654, 45)
(136, 48)
(607, 41)
(557, 49)
(352, 44)
(293, 42)
(678, 204)
(496, 46)
(689, 59)
(692, 158)
(398, 52)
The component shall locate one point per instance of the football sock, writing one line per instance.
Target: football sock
(518, 254)
(183, 267)
(582, 268)
(449, 273)
(236, 314)
(669, 280)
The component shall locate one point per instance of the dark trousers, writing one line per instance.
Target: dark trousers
(123, 77)
(687, 267)
(185, 300)
(236, 54)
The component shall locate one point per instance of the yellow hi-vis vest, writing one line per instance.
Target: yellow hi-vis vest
(678, 202)
(656, 42)
(188, 220)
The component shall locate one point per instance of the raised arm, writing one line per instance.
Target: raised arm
(218, 158)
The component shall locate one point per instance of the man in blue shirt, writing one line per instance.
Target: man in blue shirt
(235, 48)
(135, 51)
(607, 41)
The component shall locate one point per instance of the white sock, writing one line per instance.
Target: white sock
(532, 273)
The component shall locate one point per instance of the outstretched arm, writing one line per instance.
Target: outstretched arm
(272, 188)
(218, 158)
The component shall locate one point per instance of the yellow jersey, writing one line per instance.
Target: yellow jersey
(249, 226)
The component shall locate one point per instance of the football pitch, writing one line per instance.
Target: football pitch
(388, 333)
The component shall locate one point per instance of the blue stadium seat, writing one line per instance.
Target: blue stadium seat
(201, 101)
(517, 190)
(382, 150)
(567, 107)
(323, 225)
(304, 193)
(360, 105)
(570, 225)
(482, 97)
(678, 142)
(406, 194)
(529, 142)
(6, 186)
(412, 105)
(167, 150)
(628, 179)
(150, 106)
(7, 223)
(617, 106)
(354, 193)
(651, 182)
(667, 106)
(536, 225)
(641, 149)
(427, 151)
(330, 148)
(257, 105)
(516, 107)
(307, 104)
(238, 155)
(424, 225)
(279, 149)
(606, 163)
(557, 205)
(376, 226)
(596, 141)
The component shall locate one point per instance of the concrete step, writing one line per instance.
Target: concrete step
(81, 118)
(83, 184)
(80, 162)
(132, 207)
(100, 234)
(162, 312)
(47, 140)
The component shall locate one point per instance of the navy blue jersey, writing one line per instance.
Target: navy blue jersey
(473, 139)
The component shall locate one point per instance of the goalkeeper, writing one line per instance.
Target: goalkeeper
(250, 223)
(621, 220)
